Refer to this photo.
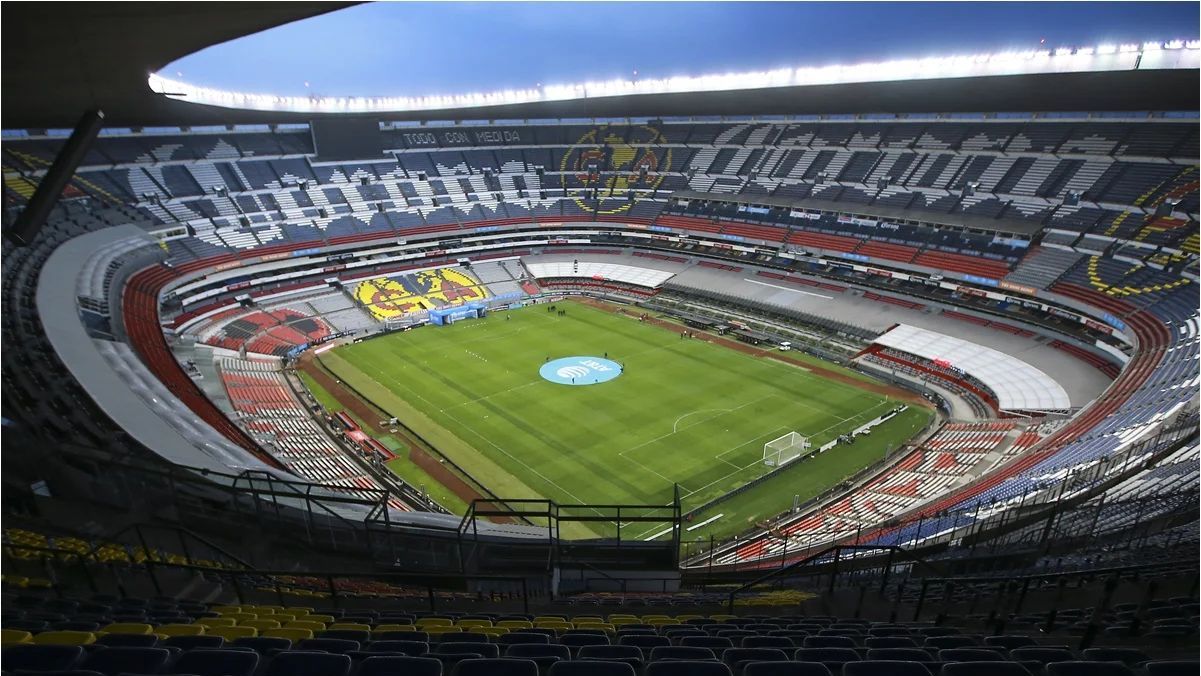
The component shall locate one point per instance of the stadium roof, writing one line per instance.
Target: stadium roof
(59, 63)
(1018, 385)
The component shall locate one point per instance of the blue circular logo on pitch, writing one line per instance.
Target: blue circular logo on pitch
(580, 370)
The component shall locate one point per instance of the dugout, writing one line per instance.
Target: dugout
(753, 337)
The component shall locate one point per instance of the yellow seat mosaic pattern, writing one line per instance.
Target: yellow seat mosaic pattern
(392, 298)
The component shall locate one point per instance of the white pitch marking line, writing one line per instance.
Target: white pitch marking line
(784, 288)
(706, 522)
(659, 534)
(676, 425)
(489, 396)
(674, 431)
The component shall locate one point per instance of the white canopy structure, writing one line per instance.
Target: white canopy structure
(626, 274)
(1017, 385)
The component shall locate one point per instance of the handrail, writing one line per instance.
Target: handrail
(837, 550)
(428, 580)
(137, 527)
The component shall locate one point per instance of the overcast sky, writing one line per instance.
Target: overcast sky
(421, 48)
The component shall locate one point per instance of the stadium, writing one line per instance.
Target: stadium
(886, 368)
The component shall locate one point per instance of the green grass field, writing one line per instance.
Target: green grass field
(683, 412)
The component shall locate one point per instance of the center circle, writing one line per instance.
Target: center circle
(580, 370)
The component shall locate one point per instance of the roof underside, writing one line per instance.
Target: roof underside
(59, 63)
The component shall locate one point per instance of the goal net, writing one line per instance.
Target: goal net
(784, 449)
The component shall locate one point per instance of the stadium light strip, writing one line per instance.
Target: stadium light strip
(1173, 54)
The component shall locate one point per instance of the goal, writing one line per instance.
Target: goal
(784, 449)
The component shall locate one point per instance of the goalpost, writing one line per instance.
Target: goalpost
(784, 449)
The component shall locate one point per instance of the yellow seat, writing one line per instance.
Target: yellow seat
(284, 618)
(515, 624)
(603, 626)
(180, 629)
(587, 618)
(441, 630)
(395, 627)
(325, 619)
(261, 624)
(718, 619)
(290, 633)
(233, 633)
(434, 622)
(491, 631)
(622, 623)
(269, 610)
(14, 636)
(350, 626)
(296, 610)
(684, 618)
(475, 623)
(659, 621)
(216, 621)
(556, 625)
(306, 625)
(65, 638)
(221, 610)
(549, 618)
(127, 628)
(241, 617)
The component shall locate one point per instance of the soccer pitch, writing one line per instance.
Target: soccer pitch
(681, 411)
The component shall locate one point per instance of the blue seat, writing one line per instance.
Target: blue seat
(687, 668)
(421, 636)
(532, 650)
(495, 666)
(519, 637)
(831, 657)
(358, 635)
(1042, 656)
(306, 663)
(949, 641)
(678, 652)
(899, 655)
(410, 648)
(41, 657)
(1172, 668)
(1131, 657)
(129, 640)
(645, 641)
(407, 665)
(484, 649)
(119, 659)
(217, 663)
(189, 642)
(736, 657)
(1009, 642)
(1086, 668)
(629, 654)
(885, 668)
(984, 669)
(328, 645)
(785, 669)
(591, 668)
(970, 655)
(781, 642)
(581, 640)
(881, 642)
(717, 644)
(829, 642)
(449, 660)
(263, 645)
(463, 637)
